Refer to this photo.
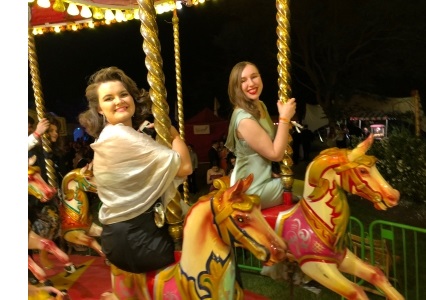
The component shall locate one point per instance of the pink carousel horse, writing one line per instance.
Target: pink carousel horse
(315, 228)
(44, 192)
(76, 221)
(219, 221)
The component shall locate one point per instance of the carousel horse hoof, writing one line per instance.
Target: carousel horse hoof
(32, 279)
(70, 269)
(48, 282)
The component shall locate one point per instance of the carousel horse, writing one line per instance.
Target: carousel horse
(76, 220)
(315, 228)
(44, 192)
(219, 221)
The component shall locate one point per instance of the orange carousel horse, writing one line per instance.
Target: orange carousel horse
(44, 192)
(315, 228)
(76, 220)
(219, 221)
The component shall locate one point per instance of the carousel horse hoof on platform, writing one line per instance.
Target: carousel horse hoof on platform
(219, 221)
(315, 227)
(77, 222)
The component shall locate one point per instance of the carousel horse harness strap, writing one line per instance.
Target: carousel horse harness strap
(348, 170)
(349, 175)
(223, 219)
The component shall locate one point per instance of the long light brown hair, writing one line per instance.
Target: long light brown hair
(236, 94)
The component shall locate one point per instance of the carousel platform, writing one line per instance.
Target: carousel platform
(92, 278)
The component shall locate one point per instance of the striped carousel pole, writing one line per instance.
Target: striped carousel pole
(284, 92)
(160, 108)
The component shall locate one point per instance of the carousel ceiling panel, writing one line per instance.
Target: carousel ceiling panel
(43, 15)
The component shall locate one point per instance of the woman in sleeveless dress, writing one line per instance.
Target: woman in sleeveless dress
(252, 136)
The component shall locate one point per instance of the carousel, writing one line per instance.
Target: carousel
(237, 220)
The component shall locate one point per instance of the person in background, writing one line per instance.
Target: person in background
(192, 178)
(223, 153)
(307, 137)
(213, 153)
(231, 163)
(252, 136)
(136, 177)
(58, 154)
(34, 136)
(213, 173)
(296, 145)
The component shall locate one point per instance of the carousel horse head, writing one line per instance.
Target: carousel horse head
(36, 184)
(354, 172)
(240, 223)
(80, 179)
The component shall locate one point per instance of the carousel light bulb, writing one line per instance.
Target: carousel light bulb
(136, 14)
(35, 31)
(73, 9)
(91, 25)
(85, 12)
(98, 14)
(202, 1)
(109, 15)
(57, 29)
(74, 27)
(43, 3)
(128, 14)
(179, 4)
(59, 6)
(119, 16)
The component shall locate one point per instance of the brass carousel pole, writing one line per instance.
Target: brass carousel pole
(180, 114)
(160, 108)
(38, 96)
(284, 93)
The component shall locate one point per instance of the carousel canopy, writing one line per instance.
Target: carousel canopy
(60, 15)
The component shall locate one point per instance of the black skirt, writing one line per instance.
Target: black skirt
(138, 245)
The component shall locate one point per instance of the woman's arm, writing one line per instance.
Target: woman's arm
(258, 139)
(180, 147)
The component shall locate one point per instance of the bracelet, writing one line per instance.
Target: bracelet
(285, 120)
(36, 134)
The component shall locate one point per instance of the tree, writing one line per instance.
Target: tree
(341, 48)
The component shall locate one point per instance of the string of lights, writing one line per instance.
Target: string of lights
(94, 14)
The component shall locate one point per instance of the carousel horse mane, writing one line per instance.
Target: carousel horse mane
(315, 228)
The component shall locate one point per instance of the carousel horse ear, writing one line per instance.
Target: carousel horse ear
(362, 148)
(240, 186)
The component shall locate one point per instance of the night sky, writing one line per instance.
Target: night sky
(213, 37)
(67, 59)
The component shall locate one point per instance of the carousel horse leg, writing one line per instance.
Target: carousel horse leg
(47, 246)
(38, 272)
(328, 275)
(126, 285)
(352, 264)
(79, 237)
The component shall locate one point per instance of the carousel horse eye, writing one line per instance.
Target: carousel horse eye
(239, 219)
(363, 171)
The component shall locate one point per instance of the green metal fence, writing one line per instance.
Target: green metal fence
(393, 247)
